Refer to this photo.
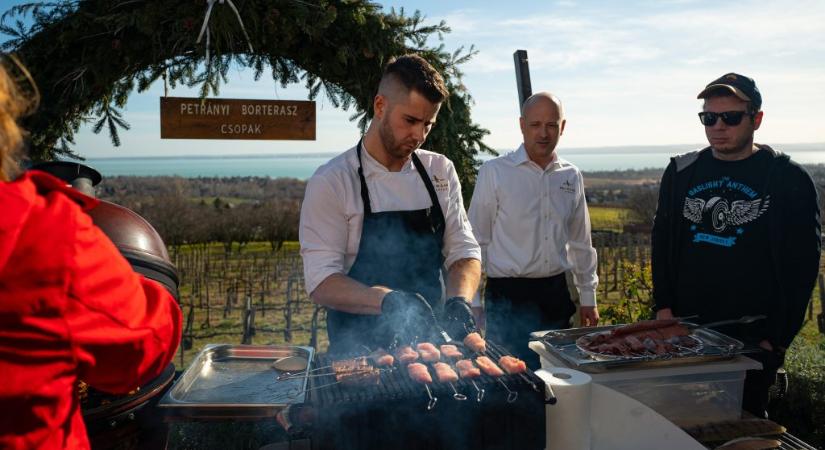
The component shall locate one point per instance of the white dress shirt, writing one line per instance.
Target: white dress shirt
(533, 222)
(332, 213)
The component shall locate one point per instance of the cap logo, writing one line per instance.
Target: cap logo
(730, 76)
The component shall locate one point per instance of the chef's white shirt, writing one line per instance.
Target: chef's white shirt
(533, 222)
(332, 213)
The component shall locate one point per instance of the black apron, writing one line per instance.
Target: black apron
(400, 250)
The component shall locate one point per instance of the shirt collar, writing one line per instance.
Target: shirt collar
(371, 165)
(519, 157)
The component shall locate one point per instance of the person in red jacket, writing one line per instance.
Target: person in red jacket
(71, 307)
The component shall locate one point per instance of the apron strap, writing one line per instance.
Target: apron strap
(429, 185)
(365, 196)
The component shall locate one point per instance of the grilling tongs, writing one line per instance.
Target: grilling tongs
(742, 321)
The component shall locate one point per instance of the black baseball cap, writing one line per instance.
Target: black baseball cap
(739, 85)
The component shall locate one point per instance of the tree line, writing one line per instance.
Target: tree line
(237, 210)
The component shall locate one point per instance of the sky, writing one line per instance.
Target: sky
(627, 72)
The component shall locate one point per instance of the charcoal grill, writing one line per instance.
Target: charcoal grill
(394, 413)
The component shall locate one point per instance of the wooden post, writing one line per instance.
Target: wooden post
(821, 297)
(248, 322)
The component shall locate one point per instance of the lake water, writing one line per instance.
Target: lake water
(303, 166)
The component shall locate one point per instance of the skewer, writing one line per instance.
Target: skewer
(480, 392)
(457, 395)
(511, 395)
(433, 400)
(292, 376)
(498, 354)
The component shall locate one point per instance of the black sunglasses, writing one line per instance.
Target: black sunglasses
(731, 118)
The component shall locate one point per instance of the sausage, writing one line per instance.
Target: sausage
(406, 354)
(381, 358)
(451, 351)
(475, 342)
(445, 373)
(428, 352)
(466, 369)
(419, 373)
(512, 365)
(488, 366)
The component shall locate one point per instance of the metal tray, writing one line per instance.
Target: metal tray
(715, 346)
(235, 381)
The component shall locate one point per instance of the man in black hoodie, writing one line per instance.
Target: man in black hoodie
(737, 233)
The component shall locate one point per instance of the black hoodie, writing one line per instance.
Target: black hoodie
(791, 252)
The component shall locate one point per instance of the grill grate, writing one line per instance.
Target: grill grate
(394, 414)
(397, 384)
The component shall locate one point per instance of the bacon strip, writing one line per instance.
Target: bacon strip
(445, 373)
(428, 352)
(512, 365)
(466, 369)
(488, 366)
(475, 342)
(642, 326)
(406, 354)
(419, 373)
(451, 351)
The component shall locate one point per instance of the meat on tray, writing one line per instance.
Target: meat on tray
(512, 365)
(658, 337)
(475, 342)
(406, 354)
(445, 373)
(419, 373)
(466, 369)
(488, 366)
(428, 352)
(356, 371)
(381, 358)
(451, 351)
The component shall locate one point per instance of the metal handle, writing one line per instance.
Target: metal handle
(742, 320)
(457, 395)
(433, 400)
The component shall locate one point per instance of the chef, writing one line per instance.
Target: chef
(381, 220)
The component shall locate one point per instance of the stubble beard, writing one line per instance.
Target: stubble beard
(391, 145)
(742, 145)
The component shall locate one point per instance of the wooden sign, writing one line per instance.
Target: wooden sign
(195, 118)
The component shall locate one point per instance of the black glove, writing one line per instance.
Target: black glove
(407, 316)
(458, 320)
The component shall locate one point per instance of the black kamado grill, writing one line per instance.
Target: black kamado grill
(394, 413)
(124, 421)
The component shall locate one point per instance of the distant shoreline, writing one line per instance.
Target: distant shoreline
(619, 149)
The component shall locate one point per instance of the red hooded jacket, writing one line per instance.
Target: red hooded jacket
(71, 308)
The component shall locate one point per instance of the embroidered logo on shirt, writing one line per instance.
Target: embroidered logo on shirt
(440, 184)
(568, 187)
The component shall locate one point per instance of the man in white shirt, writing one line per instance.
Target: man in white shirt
(530, 217)
(379, 222)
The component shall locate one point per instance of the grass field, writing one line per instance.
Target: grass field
(607, 218)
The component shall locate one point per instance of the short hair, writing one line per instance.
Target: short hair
(722, 92)
(416, 74)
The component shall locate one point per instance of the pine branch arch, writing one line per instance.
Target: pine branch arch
(89, 56)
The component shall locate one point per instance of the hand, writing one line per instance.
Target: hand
(458, 320)
(589, 316)
(664, 314)
(766, 345)
(408, 315)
